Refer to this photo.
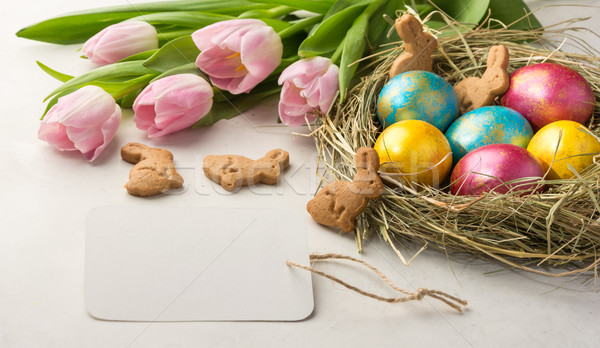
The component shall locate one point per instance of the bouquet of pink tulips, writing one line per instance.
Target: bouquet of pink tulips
(189, 63)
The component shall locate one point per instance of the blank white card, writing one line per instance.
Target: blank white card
(145, 263)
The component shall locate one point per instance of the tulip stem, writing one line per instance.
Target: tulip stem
(299, 26)
(337, 55)
(280, 11)
(166, 36)
(135, 84)
(274, 12)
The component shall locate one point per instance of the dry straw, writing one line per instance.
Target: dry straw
(559, 228)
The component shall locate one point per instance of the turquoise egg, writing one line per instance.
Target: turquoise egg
(418, 95)
(485, 126)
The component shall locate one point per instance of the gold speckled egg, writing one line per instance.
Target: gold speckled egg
(416, 151)
(573, 144)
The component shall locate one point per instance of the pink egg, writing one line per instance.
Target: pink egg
(489, 167)
(545, 93)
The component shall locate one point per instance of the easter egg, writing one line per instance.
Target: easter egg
(545, 93)
(487, 125)
(416, 151)
(571, 142)
(418, 95)
(491, 167)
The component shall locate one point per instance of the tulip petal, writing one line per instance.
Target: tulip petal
(238, 54)
(178, 102)
(55, 134)
(89, 106)
(328, 86)
(109, 129)
(308, 85)
(185, 120)
(144, 116)
(291, 94)
(306, 71)
(220, 32)
(261, 51)
(221, 63)
(82, 120)
(119, 41)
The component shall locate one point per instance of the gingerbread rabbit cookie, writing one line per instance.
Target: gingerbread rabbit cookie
(154, 171)
(474, 92)
(339, 203)
(232, 171)
(418, 46)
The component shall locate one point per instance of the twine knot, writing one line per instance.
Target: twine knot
(422, 292)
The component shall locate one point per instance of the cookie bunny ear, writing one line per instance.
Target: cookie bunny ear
(496, 75)
(498, 57)
(409, 28)
(133, 152)
(366, 181)
(282, 157)
(367, 159)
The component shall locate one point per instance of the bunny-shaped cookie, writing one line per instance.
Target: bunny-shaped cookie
(154, 171)
(474, 92)
(339, 203)
(418, 46)
(232, 171)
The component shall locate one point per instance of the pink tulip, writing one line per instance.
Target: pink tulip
(308, 85)
(238, 54)
(119, 41)
(85, 121)
(172, 104)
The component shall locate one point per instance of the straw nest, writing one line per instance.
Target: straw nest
(555, 233)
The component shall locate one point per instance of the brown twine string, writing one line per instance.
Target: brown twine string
(450, 300)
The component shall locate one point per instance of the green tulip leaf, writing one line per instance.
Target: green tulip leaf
(354, 47)
(328, 36)
(225, 110)
(132, 85)
(72, 29)
(189, 68)
(57, 75)
(173, 33)
(80, 26)
(127, 101)
(106, 72)
(340, 5)
(139, 56)
(180, 51)
(465, 11)
(513, 12)
(379, 27)
(192, 19)
(276, 24)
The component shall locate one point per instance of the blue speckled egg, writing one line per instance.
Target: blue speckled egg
(485, 126)
(418, 95)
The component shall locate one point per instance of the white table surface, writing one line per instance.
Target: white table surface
(45, 196)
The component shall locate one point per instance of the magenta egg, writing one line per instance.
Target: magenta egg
(492, 167)
(545, 93)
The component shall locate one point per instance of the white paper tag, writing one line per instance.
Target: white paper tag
(147, 263)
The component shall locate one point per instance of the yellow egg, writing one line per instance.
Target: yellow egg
(572, 143)
(416, 150)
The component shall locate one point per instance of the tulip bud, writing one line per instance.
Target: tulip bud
(85, 121)
(238, 54)
(119, 41)
(172, 103)
(308, 85)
